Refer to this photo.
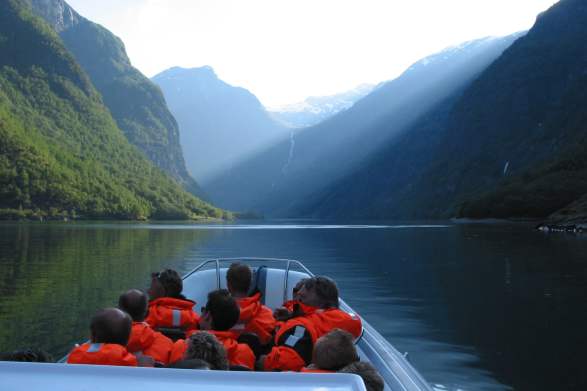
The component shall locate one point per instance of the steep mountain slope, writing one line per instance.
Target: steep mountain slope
(282, 179)
(61, 153)
(220, 124)
(513, 145)
(136, 104)
(316, 109)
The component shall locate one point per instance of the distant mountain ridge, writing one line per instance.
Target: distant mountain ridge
(220, 124)
(281, 180)
(316, 109)
(136, 104)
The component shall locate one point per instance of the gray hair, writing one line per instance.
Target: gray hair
(205, 346)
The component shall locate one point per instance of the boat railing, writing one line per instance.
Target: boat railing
(287, 265)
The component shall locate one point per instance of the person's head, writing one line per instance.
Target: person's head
(297, 287)
(221, 312)
(194, 363)
(319, 292)
(238, 279)
(373, 381)
(204, 346)
(135, 303)
(166, 283)
(335, 350)
(27, 355)
(111, 325)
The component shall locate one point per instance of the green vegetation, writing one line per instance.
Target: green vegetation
(61, 153)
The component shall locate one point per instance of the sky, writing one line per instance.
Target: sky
(286, 50)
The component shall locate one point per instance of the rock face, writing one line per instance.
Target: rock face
(135, 102)
(220, 124)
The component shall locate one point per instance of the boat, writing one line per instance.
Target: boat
(274, 278)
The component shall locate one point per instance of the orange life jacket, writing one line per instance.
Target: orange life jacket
(238, 353)
(294, 341)
(255, 318)
(172, 313)
(102, 354)
(149, 342)
(177, 351)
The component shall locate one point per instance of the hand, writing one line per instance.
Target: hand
(282, 314)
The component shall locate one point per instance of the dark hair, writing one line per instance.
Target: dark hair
(194, 363)
(135, 303)
(204, 346)
(111, 325)
(325, 289)
(373, 381)
(171, 282)
(223, 309)
(27, 355)
(335, 350)
(239, 277)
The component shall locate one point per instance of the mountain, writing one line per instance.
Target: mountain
(316, 109)
(512, 145)
(135, 102)
(282, 180)
(220, 124)
(61, 152)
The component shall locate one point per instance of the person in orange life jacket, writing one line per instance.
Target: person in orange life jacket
(110, 329)
(332, 352)
(168, 308)
(200, 346)
(142, 337)
(286, 311)
(319, 314)
(255, 318)
(218, 317)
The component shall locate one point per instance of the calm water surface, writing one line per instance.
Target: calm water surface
(477, 307)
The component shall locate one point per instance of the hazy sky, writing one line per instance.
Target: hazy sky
(286, 50)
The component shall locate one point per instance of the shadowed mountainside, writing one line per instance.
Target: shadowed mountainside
(219, 124)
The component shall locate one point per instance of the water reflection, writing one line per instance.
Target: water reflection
(487, 307)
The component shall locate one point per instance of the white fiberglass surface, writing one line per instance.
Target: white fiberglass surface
(34, 376)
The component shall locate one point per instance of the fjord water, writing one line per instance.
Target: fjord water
(476, 307)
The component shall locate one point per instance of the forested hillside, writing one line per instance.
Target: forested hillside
(136, 104)
(61, 152)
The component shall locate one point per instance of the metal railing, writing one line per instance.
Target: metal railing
(287, 263)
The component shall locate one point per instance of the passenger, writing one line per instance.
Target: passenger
(286, 311)
(204, 346)
(168, 308)
(110, 329)
(333, 352)
(218, 317)
(27, 355)
(319, 314)
(373, 381)
(142, 337)
(255, 318)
